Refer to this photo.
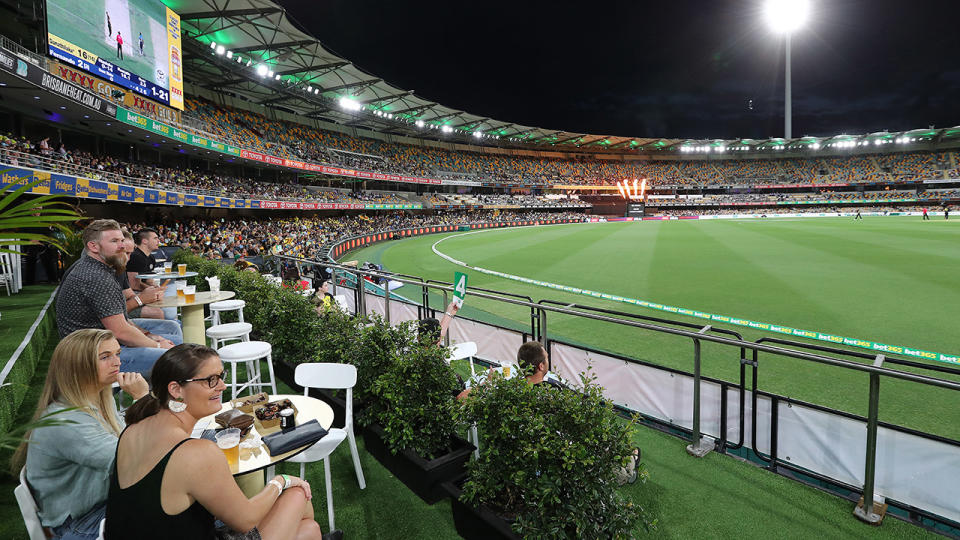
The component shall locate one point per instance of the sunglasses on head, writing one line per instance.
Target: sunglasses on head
(212, 381)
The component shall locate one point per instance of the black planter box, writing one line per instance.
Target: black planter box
(476, 523)
(423, 477)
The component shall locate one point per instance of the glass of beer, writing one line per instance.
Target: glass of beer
(189, 293)
(506, 372)
(181, 285)
(182, 269)
(228, 441)
(167, 267)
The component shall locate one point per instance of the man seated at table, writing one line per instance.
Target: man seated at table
(90, 297)
(142, 261)
(137, 302)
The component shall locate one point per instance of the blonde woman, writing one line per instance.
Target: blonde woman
(167, 485)
(68, 465)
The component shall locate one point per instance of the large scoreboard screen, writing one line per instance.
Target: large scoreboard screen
(131, 43)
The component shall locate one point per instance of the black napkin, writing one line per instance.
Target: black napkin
(302, 435)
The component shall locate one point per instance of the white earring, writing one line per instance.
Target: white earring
(177, 406)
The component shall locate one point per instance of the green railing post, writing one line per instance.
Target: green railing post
(866, 512)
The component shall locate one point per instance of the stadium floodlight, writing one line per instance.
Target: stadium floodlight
(239, 60)
(477, 134)
(277, 77)
(221, 49)
(229, 54)
(262, 70)
(350, 104)
(446, 129)
(419, 123)
(270, 71)
(213, 45)
(309, 89)
(786, 17)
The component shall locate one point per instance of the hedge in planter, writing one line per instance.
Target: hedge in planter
(549, 460)
(413, 409)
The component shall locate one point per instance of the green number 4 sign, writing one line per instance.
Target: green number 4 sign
(459, 288)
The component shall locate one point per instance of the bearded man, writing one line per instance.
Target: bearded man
(90, 297)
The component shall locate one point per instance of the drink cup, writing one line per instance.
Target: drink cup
(182, 269)
(167, 267)
(228, 441)
(181, 285)
(506, 372)
(189, 293)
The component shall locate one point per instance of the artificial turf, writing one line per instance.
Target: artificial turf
(889, 280)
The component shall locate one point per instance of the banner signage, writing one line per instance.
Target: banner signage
(91, 188)
(105, 90)
(39, 77)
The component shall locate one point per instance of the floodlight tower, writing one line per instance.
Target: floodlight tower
(786, 17)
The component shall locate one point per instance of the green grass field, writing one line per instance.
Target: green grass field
(890, 280)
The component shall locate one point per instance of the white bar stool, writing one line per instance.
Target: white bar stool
(250, 352)
(219, 334)
(226, 305)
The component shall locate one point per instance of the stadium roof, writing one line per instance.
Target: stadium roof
(301, 75)
(253, 49)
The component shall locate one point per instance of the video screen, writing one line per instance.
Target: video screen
(132, 43)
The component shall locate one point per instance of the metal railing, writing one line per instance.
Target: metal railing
(700, 446)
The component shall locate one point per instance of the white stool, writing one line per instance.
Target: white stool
(220, 333)
(250, 352)
(226, 305)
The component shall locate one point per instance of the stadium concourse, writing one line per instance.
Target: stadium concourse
(267, 160)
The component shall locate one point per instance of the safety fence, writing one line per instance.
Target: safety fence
(847, 454)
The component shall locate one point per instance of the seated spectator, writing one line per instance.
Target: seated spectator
(322, 298)
(533, 361)
(68, 465)
(136, 302)
(91, 297)
(166, 485)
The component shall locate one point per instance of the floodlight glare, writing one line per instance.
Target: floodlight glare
(477, 134)
(446, 128)
(261, 70)
(221, 49)
(350, 104)
(277, 77)
(419, 123)
(213, 45)
(786, 16)
(229, 54)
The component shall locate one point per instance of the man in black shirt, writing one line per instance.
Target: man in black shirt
(142, 260)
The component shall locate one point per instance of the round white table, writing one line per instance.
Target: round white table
(167, 275)
(252, 461)
(191, 313)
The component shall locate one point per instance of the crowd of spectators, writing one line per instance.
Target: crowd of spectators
(792, 210)
(306, 237)
(288, 139)
(503, 199)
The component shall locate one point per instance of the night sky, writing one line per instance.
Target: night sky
(675, 69)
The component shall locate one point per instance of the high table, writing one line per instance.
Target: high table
(191, 313)
(167, 275)
(253, 460)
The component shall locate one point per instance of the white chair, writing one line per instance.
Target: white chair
(250, 352)
(28, 508)
(226, 305)
(6, 272)
(464, 350)
(219, 334)
(331, 377)
(322, 450)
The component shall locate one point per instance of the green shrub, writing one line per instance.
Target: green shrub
(414, 401)
(279, 316)
(549, 460)
(376, 348)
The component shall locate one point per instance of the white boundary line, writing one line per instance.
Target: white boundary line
(26, 340)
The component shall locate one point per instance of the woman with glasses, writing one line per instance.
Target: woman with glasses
(69, 463)
(167, 485)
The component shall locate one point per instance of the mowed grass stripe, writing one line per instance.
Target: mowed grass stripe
(662, 246)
